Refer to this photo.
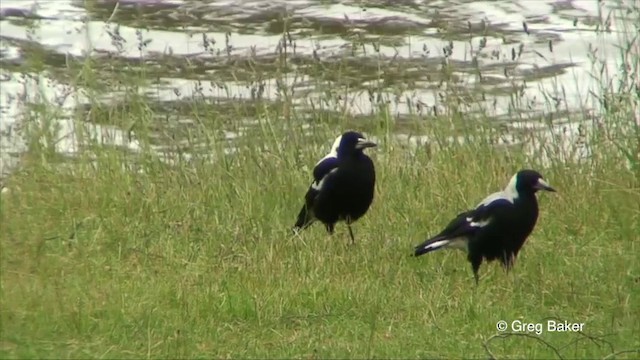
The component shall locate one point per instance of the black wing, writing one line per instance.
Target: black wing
(466, 224)
(322, 169)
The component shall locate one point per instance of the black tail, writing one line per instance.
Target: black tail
(431, 245)
(304, 219)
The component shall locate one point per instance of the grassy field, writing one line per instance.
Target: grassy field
(120, 255)
(197, 259)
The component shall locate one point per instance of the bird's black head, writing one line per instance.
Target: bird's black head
(353, 143)
(529, 182)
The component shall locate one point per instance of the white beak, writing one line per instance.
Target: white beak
(364, 143)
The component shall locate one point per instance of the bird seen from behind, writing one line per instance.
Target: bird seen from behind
(497, 228)
(343, 185)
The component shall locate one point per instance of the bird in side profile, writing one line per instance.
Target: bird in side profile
(343, 185)
(498, 227)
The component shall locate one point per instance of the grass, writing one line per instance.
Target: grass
(120, 255)
(196, 260)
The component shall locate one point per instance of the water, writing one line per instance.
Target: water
(391, 52)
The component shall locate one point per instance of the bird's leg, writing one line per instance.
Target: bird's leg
(507, 260)
(510, 259)
(348, 221)
(330, 228)
(475, 265)
(353, 241)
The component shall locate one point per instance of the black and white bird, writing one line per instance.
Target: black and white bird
(343, 185)
(499, 225)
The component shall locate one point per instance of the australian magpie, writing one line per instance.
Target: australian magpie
(343, 185)
(498, 226)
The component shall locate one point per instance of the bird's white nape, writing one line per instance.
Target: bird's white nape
(333, 153)
(500, 195)
(511, 190)
(510, 193)
(335, 146)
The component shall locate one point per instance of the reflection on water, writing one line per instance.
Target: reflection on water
(510, 60)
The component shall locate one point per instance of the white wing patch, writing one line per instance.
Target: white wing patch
(437, 244)
(461, 243)
(317, 185)
(478, 224)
